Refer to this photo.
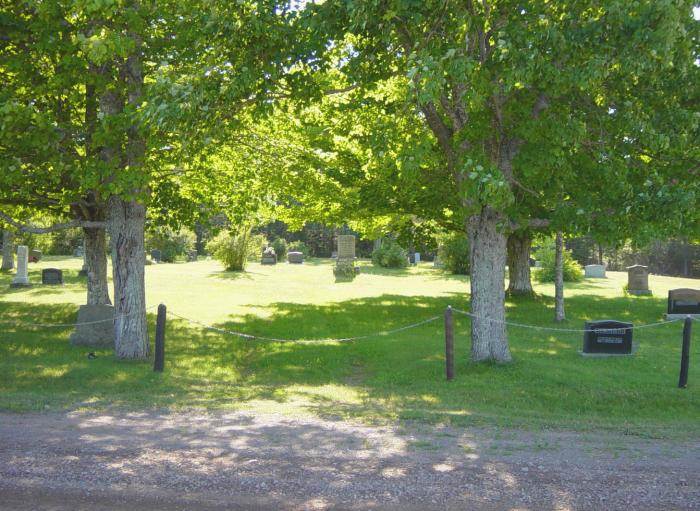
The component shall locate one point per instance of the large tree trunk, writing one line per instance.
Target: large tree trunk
(8, 250)
(127, 222)
(96, 264)
(519, 282)
(488, 264)
(559, 314)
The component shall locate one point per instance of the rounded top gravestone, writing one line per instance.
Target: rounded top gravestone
(638, 280)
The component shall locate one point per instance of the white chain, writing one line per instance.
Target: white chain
(554, 329)
(66, 325)
(304, 341)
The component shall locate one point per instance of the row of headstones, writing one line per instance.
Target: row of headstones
(269, 256)
(49, 276)
(157, 256)
(637, 277)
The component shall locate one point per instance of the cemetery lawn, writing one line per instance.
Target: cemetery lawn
(384, 378)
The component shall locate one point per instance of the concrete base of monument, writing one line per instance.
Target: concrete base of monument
(20, 284)
(605, 355)
(639, 292)
(674, 317)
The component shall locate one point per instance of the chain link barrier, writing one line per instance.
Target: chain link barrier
(67, 325)
(555, 329)
(305, 341)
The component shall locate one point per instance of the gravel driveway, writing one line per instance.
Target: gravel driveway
(237, 460)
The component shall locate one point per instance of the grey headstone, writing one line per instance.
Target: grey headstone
(638, 280)
(417, 257)
(268, 256)
(156, 255)
(95, 326)
(51, 276)
(192, 256)
(595, 271)
(22, 276)
(34, 256)
(346, 246)
(295, 257)
(683, 302)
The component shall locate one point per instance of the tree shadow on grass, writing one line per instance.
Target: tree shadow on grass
(376, 378)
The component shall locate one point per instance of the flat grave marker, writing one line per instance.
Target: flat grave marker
(683, 302)
(52, 277)
(594, 271)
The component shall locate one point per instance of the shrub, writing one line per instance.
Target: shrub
(258, 243)
(232, 249)
(344, 270)
(546, 255)
(280, 246)
(299, 246)
(172, 244)
(390, 255)
(454, 253)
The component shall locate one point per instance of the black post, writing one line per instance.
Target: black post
(159, 361)
(449, 344)
(685, 353)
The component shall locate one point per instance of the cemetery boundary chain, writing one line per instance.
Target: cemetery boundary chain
(70, 325)
(399, 329)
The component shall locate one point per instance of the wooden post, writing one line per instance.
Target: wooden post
(449, 344)
(685, 353)
(159, 361)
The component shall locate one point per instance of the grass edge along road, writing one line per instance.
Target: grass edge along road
(398, 376)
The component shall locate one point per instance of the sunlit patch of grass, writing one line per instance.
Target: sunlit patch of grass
(379, 379)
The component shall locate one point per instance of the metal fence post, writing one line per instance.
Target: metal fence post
(449, 344)
(685, 353)
(159, 360)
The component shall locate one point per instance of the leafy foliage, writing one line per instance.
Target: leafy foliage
(171, 243)
(454, 253)
(234, 249)
(280, 246)
(390, 255)
(546, 254)
(299, 246)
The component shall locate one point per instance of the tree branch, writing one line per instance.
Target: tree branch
(55, 227)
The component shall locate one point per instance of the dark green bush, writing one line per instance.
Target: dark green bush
(454, 253)
(390, 255)
(546, 255)
(299, 246)
(280, 246)
(172, 244)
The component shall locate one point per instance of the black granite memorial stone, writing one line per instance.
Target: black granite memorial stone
(52, 277)
(608, 337)
(684, 301)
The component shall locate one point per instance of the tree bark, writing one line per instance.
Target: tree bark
(519, 281)
(96, 265)
(8, 252)
(488, 263)
(127, 223)
(559, 314)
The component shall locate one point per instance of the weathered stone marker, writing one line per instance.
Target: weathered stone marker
(638, 280)
(22, 276)
(35, 256)
(52, 277)
(295, 257)
(346, 246)
(192, 256)
(607, 337)
(594, 271)
(95, 326)
(683, 302)
(156, 255)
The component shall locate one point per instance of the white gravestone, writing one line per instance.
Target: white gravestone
(417, 257)
(595, 271)
(22, 276)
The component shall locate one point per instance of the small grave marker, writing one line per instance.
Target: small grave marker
(52, 277)
(192, 256)
(34, 256)
(21, 278)
(607, 337)
(683, 302)
(594, 271)
(295, 257)
(268, 256)
(156, 255)
(638, 280)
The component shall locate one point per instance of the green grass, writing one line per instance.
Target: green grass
(399, 376)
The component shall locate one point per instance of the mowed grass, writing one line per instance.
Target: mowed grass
(398, 376)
